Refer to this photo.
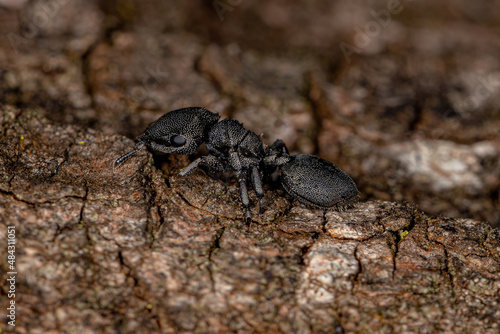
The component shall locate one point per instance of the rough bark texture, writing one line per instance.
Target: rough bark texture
(132, 251)
(412, 116)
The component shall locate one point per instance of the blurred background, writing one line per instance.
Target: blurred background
(402, 95)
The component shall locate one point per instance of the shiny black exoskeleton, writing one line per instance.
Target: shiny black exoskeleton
(307, 178)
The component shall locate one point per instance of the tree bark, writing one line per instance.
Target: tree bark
(412, 115)
(137, 249)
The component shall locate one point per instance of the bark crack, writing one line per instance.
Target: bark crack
(66, 159)
(214, 245)
(360, 268)
(208, 212)
(447, 270)
(396, 239)
(128, 271)
(16, 197)
(324, 222)
(60, 230)
(157, 230)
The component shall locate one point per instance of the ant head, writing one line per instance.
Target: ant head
(179, 131)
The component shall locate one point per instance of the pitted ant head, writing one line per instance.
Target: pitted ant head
(307, 178)
(180, 131)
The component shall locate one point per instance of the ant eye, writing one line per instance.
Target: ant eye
(177, 141)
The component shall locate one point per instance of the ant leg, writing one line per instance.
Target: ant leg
(242, 180)
(210, 161)
(257, 186)
(241, 175)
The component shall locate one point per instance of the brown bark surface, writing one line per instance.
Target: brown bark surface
(412, 117)
(130, 250)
